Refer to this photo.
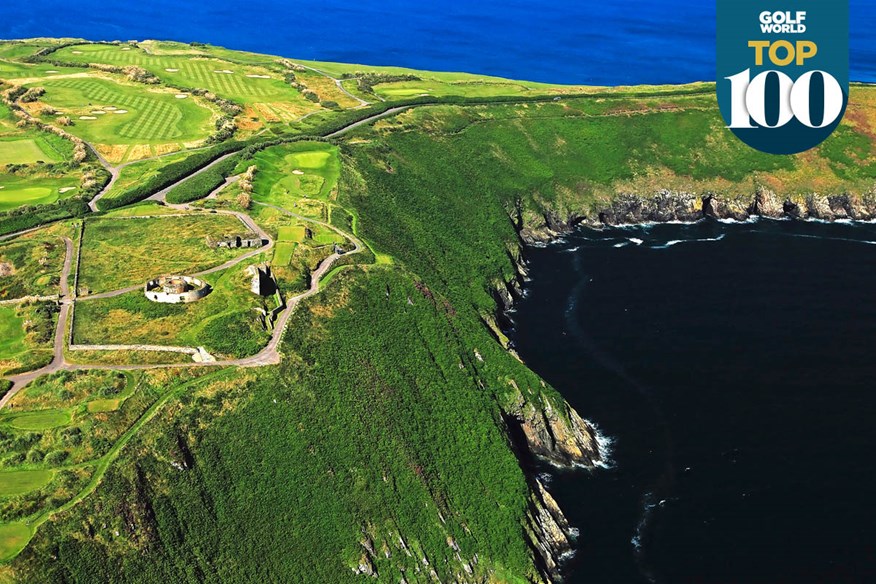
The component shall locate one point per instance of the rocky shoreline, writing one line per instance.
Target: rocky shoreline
(672, 206)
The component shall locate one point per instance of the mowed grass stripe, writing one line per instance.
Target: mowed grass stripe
(154, 120)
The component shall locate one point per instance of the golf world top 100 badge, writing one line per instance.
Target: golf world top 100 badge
(783, 71)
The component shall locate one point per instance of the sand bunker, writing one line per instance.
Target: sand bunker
(297, 172)
(259, 76)
(51, 71)
(77, 52)
(66, 189)
(181, 96)
(87, 118)
(126, 48)
(120, 112)
(224, 72)
(98, 113)
(171, 70)
(110, 108)
(2, 187)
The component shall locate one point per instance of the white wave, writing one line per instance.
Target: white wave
(731, 221)
(572, 249)
(621, 244)
(636, 240)
(848, 239)
(566, 556)
(574, 532)
(698, 240)
(604, 445)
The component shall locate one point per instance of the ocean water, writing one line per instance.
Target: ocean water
(608, 42)
(732, 366)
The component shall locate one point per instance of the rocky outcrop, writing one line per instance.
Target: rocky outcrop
(556, 433)
(665, 206)
(549, 532)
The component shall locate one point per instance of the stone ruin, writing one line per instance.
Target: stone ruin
(262, 280)
(235, 241)
(174, 289)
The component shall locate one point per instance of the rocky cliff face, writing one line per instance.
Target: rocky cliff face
(554, 432)
(549, 532)
(665, 206)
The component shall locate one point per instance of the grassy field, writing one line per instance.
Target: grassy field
(224, 322)
(40, 420)
(13, 538)
(124, 252)
(259, 85)
(26, 151)
(31, 265)
(11, 333)
(127, 113)
(26, 336)
(18, 482)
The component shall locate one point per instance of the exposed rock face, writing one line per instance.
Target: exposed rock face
(555, 433)
(549, 532)
(767, 204)
(664, 206)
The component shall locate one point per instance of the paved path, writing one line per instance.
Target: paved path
(114, 176)
(390, 112)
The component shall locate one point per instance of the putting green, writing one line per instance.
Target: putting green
(19, 482)
(41, 420)
(11, 333)
(315, 159)
(17, 191)
(13, 538)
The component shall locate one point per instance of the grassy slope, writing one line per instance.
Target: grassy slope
(352, 412)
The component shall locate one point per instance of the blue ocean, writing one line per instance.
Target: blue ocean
(609, 42)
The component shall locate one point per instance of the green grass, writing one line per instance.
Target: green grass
(153, 116)
(117, 253)
(224, 322)
(13, 538)
(140, 172)
(99, 406)
(193, 72)
(283, 252)
(11, 333)
(40, 420)
(16, 191)
(36, 260)
(19, 482)
(27, 151)
(291, 172)
(292, 233)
